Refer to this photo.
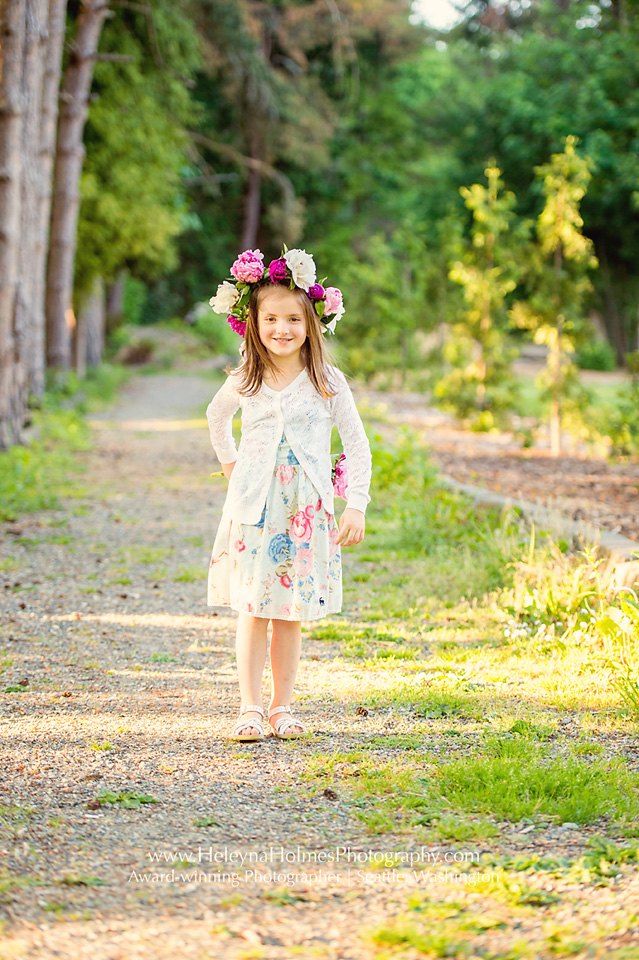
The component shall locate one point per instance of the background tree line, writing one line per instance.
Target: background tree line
(145, 143)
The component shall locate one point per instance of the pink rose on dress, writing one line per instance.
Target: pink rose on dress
(285, 473)
(301, 527)
(239, 545)
(303, 561)
(249, 266)
(318, 505)
(310, 511)
(285, 581)
(340, 482)
(285, 612)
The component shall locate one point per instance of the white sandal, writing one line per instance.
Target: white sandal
(281, 726)
(243, 724)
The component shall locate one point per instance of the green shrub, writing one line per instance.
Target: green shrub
(596, 354)
(215, 331)
(621, 422)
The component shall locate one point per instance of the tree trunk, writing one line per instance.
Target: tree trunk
(615, 330)
(91, 321)
(115, 302)
(555, 404)
(253, 197)
(29, 312)
(49, 120)
(74, 99)
(79, 341)
(12, 106)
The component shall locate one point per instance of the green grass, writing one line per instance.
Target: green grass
(34, 477)
(509, 779)
(145, 554)
(188, 574)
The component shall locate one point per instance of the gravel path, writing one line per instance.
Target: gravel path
(129, 685)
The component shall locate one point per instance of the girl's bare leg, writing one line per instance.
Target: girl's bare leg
(286, 644)
(250, 653)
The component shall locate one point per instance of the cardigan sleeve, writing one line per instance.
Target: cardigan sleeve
(355, 442)
(219, 414)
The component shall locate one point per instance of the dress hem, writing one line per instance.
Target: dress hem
(261, 616)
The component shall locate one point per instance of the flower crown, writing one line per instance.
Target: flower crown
(295, 268)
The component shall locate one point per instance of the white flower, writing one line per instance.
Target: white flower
(329, 326)
(302, 267)
(225, 299)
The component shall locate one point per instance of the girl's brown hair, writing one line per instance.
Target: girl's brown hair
(256, 359)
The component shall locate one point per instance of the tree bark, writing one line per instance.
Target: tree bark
(555, 403)
(253, 196)
(12, 107)
(115, 302)
(91, 325)
(30, 312)
(48, 126)
(74, 99)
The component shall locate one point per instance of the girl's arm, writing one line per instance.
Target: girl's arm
(355, 442)
(219, 414)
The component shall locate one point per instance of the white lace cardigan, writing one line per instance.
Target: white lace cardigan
(307, 419)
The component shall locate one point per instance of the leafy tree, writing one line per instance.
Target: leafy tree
(557, 277)
(133, 202)
(488, 270)
(559, 69)
(393, 286)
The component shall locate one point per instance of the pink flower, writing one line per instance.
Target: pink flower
(285, 473)
(318, 505)
(239, 545)
(310, 512)
(285, 611)
(316, 291)
(340, 483)
(238, 325)
(303, 562)
(285, 581)
(301, 527)
(333, 300)
(248, 268)
(277, 270)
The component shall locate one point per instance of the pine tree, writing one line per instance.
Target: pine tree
(487, 269)
(558, 277)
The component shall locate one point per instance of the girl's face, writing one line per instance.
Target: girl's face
(281, 324)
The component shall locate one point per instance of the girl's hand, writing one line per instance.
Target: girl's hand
(351, 527)
(228, 469)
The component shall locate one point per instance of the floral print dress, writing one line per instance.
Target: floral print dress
(287, 566)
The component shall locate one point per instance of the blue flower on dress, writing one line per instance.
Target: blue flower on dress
(281, 547)
(290, 456)
(260, 522)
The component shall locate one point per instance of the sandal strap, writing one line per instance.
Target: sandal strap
(252, 707)
(275, 710)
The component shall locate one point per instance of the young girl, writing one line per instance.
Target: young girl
(276, 555)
